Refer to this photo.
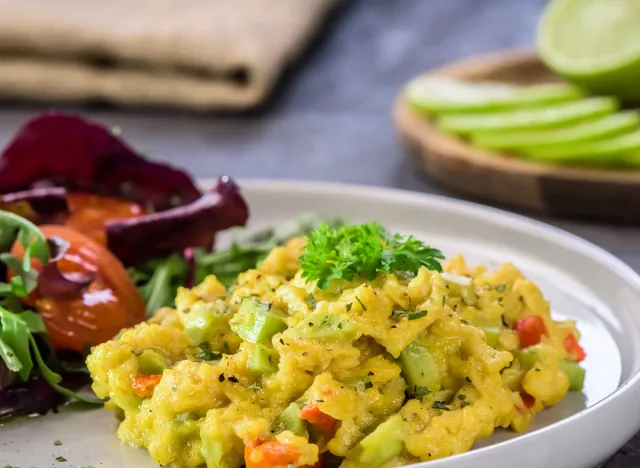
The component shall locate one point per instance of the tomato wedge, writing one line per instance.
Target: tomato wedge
(530, 330)
(143, 384)
(317, 418)
(110, 303)
(270, 454)
(574, 349)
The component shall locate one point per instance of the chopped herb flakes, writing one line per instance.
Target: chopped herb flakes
(364, 307)
(61, 459)
(501, 288)
(57, 442)
(462, 397)
(416, 315)
(504, 322)
(440, 405)
(468, 379)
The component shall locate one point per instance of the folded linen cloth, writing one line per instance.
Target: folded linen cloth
(198, 54)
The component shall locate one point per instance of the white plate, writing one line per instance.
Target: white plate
(582, 281)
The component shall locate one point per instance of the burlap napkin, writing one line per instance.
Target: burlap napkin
(198, 54)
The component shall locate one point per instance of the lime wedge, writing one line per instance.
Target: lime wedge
(548, 116)
(595, 43)
(433, 95)
(608, 126)
(610, 150)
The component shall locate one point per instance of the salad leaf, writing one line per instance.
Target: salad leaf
(158, 281)
(186, 226)
(228, 263)
(43, 205)
(67, 150)
(362, 250)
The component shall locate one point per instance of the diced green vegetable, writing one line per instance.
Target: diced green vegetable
(382, 445)
(462, 286)
(527, 357)
(151, 362)
(212, 451)
(491, 334)
(321, 325)
(262, 360)
(289, 420)
(418, 367)
(575, 373)
(201, 322)
(257, 322)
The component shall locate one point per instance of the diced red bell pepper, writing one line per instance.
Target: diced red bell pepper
(573, 348)
(143, 385)
(270, 454)
(530, 330)
(318, 419)
(527, 399)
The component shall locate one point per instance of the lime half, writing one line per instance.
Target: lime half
(610, 125)
(542, 117)
(435, 95)
(595, 43)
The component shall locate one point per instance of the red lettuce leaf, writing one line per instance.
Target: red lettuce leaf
(36, 396)
(66, 150)
(48, 205)
(137, 240)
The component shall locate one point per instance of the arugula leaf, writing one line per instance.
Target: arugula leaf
(15, 335)
(362, 250)
(158, 281)
(54, 379)
(228, 263)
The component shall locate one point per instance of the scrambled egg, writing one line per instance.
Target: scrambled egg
(277, 373)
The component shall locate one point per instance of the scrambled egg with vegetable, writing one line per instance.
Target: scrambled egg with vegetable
(385, 368)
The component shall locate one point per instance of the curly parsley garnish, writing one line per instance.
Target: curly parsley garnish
(362, 250)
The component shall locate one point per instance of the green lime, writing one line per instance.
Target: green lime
(613, 150)
(434, 95)
(594, 43)
(539, 117)
(607, 126)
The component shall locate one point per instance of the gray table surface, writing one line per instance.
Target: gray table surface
(332, 122)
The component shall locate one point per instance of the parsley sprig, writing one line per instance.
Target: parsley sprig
(362, 250)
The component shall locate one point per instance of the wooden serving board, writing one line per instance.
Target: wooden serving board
(611, 195)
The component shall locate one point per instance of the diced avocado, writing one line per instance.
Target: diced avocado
(575, 373)
(527, 357)
(492, 334)
(289, 420)
(151, 362)
(383, 444)
(256, 322)
(200, 321)
(262, 360)
(418, 367)
(461, 285)
(321, 325)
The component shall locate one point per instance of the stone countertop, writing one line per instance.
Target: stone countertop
(331, 121)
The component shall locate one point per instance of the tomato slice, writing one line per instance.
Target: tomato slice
(317, 418)
(530, 330)
(574, 349)
(110, 303)
(89, 213)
